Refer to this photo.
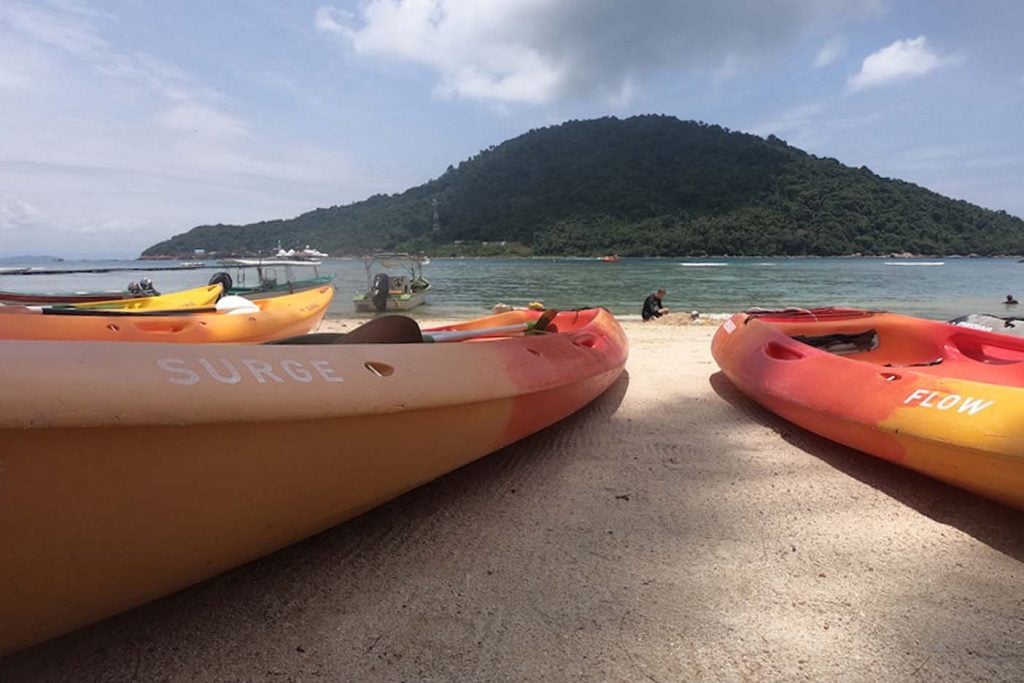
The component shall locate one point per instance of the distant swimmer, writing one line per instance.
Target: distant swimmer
(1010, 301)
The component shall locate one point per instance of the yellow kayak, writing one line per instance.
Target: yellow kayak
(199, 297)
(252, 321)
(133, 470)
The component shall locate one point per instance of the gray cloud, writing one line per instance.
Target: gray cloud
(545, 50)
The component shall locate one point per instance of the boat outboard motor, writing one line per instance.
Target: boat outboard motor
(146, 285)
(222, 279)
(380, 290)
(135, 290)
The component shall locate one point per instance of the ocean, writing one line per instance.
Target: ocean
(936, 288)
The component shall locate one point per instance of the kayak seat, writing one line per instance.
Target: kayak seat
(841, 344)
(389, 329)
(313, 338)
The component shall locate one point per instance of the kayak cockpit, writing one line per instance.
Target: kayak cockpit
(398, 329)
(931, 348)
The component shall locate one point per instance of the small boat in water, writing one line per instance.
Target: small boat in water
(157, 466)
(945, 400)
(9, 298)
(230, 320)
(273, 277)
(135, 290)
(390, 290)
(991, 323)
(306, 254)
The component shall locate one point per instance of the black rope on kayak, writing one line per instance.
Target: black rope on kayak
(839, 343)
(936, 361)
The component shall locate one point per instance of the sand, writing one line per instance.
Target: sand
(670, 531)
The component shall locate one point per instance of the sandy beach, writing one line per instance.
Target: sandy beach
(670, 531)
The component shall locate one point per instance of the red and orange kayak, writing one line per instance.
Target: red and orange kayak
(133, 470)
(259, 321)
(946, 401)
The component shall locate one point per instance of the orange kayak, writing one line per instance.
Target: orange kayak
(259, 321)
(133, 470)
(946, 401)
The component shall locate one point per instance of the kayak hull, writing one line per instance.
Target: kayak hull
(93, 523)
(277, 318)
(189, 298)
(53, 298)
(942, 400)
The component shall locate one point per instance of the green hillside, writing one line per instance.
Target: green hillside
(643, 186)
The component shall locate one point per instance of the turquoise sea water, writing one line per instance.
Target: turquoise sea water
(470, 287)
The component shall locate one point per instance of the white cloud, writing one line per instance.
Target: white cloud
(793, 120)
(57, 29)
(913, 160)
(196, 117)
(830, 52)
(103, 140)
(12, 79)
(995, 161)
(816, 126)
(902, 60)
(539, 51)
(63, 51)
(16, 215)
(333, 20)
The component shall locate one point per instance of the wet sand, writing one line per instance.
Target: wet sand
(672, 530)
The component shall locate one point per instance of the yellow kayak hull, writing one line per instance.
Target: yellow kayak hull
(273, 318)
(198, 297)
(133, 470)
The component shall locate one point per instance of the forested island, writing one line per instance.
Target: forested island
(642, 186)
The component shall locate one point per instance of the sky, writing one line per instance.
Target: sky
(124, 122)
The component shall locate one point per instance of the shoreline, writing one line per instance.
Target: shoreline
(464, 289)
(595, 257)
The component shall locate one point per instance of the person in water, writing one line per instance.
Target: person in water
(1010, 300)
(653, 307)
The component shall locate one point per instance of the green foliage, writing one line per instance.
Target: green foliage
(643, 186)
